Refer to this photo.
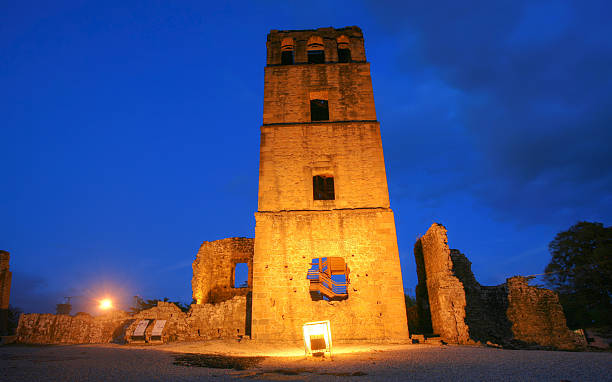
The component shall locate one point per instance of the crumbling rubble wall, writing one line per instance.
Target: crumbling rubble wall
(202, 322)
(81, 328)
(444, 290)
(214, 266)
(422, 323)
(536, 315)
(176, 326)
(227, 319)
(485, 310)
(461, 310)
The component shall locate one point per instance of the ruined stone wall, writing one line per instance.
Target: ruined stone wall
(485, 310)
(422, 323)
(5, 291)
(214, 266)
(412, 318)
(228, 319)
(202, 322)
(513, 314)
(285, 246)
(175, 329)
(444, 290)
(82, 328)
(536, 315)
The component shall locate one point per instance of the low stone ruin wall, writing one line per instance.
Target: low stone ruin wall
(452, 304)
(202, 322)
(227, 319)
(64, 329)
(536, 315)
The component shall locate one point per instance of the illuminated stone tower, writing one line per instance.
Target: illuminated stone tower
(323, 195)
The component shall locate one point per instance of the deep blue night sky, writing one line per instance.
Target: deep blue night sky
(130, 132)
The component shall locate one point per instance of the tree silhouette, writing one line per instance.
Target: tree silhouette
(581, 272)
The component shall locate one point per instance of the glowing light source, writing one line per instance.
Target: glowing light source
(106, 304)
(317, 337)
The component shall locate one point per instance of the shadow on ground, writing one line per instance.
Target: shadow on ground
(218, 361)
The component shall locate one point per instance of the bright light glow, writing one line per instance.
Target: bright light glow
(106, 304)
(317, 337)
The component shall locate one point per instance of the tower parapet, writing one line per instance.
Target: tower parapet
(331, 41)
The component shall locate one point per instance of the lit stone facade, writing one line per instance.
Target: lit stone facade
(214, 269)
(292, 228)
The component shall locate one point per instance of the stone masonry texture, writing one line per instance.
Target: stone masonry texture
(536, 315)
(202, 322)
(330, 41)
(444, 290)
(214, 269)
(350, 152)
(81, 328)
(451, 303)
(292, 228)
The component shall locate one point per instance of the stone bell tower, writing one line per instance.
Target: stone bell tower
(325, 241)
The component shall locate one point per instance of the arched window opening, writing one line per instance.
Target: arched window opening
(344, 52)
(316, 54)
(287, 51)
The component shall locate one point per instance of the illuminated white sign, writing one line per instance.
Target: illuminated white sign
(317, 337)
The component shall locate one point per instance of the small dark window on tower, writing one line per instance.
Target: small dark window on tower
(287, 51)
(319, 110)
(315, 46)
(316, 57)
(344, 52)
(323, 187)
(241, 275)
(344, 55)
(287, 57)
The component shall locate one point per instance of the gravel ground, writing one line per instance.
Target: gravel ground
(354, 363)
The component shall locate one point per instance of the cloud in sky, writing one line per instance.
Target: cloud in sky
(516, 100)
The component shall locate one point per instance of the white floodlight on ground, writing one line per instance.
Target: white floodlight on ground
(317, 337)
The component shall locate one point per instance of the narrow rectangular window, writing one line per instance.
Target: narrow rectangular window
(316, 57)
(344, 55)
(323, 187)
(241, 275)
(287, 57)
(319, 110)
